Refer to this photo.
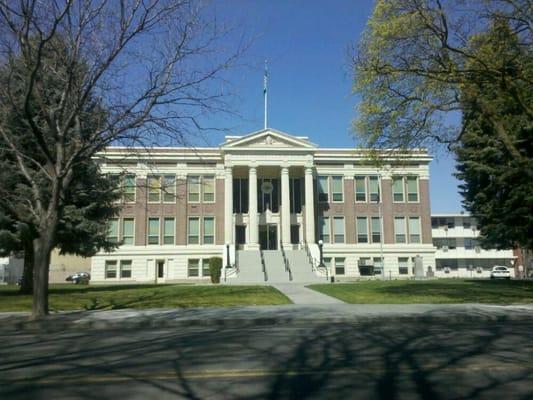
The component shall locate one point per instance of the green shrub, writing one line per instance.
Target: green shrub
(215, 269)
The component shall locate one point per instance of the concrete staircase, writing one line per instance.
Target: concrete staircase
(250, 268)
(275, 266)
(300, 267)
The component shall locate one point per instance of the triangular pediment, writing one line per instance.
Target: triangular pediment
(268, 139)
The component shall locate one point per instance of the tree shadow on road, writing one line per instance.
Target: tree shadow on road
(381, 359)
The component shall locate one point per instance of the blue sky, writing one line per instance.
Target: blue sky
(307, 46)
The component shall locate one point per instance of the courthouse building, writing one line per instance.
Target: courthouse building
(263, 202)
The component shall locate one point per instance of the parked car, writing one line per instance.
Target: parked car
(500, 272)
(79, 277)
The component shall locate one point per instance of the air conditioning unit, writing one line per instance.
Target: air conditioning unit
(444, 248)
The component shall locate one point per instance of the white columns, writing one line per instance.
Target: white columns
(309, 206)
(285, 208)
(252, 208)
(228, 206)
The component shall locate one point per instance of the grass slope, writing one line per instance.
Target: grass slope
(433, 291)
(73, 297)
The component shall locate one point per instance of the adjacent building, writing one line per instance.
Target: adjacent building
(459, 253)
(263, 193)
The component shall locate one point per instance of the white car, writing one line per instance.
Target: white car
(500, 272)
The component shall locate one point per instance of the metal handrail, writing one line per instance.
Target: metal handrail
(315, 265)
(234, 270)
(286, 262)
(263, 265)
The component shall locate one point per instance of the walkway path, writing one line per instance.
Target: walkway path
(299, 294)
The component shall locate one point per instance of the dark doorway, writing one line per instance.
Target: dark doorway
(295, 234)
(268, 237)
(240, 236)
(160, 268)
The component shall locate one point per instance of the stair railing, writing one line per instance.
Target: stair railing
(315, 264)
(263, 265)
(286, 262)
(234, 270)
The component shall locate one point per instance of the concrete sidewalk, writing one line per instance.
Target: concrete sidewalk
(301, 295)
(262, 315)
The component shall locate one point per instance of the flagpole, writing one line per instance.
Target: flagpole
(265, 93)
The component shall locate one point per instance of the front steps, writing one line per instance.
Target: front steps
(251, 269)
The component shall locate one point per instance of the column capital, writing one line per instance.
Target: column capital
(252, 170)
(285, 170)
(309, 170)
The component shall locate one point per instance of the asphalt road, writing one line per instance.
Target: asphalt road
(371, 359)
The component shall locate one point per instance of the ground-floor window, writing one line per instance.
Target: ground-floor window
(378, 267)
(205, 267)
(110, 269)
(403, 265)
(125, 268)
(339, 265)
(198, 267)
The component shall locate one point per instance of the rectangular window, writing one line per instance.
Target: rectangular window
(169, 188)
(336, 188)
(360, 188)
(208, 187)
(403, 265)
(154, 189)
(153, 230)
(467, 224)
(193, 267)
(373, 189)
(205, 267)
(128, 230)
(324, 229)
(168, 231)
(397, 189)
(339, 266)
(378, 265)
(194, 231)
(376, 230)
(209, 230)
(362, 230)
(323, 190)
(125, 268)
(412, 189)
(112, 230)
(399, 229)
(110, 269)
(129, 188)
(414, 229)
(193, 189)
(469, 244)
(338, 229)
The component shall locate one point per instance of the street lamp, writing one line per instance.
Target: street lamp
(320, 245)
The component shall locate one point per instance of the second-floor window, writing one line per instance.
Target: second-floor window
(376, 229)
(362, 229)
(400, 233)
(338, 229)
(397, 189)
(128, 230)
(414, 229)
(121, 230)
(201, 230)
(402, 185)
(324, 229)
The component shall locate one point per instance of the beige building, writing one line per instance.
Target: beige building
(266, 200)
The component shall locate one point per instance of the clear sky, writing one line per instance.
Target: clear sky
(307, 46)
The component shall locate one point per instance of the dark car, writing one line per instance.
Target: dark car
(79, 277)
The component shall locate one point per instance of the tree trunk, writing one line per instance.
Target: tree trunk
(42, 247)
(26, 286)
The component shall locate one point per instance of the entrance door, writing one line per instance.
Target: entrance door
(240, 236)
(160, 270)
(295, 234)
(268, 237)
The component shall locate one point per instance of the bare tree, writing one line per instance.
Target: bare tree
(150, 68)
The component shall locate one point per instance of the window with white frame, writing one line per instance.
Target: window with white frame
(168, 187)
(323, 188)
(378, 265)
(111, 269)
(373, 189)
(362, 229)
(403, 265)
(336, 189)
(375, 227)
(338, 229)
(399, 229)
(360, 189)
(168, 230)
(125, 268)
(397, 189)
(128, 233)
(193, 267)
(339, 265)
(324, 229)
(205, 267)
(129, 188)
(414, 229)
(154, 188)
(153, 230)
(208, 189)
(412, 189)
(112, 230)
(193, 236)
(209, 230)
(193, 188)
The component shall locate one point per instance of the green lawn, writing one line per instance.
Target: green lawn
(433, 291)
(73, 297)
